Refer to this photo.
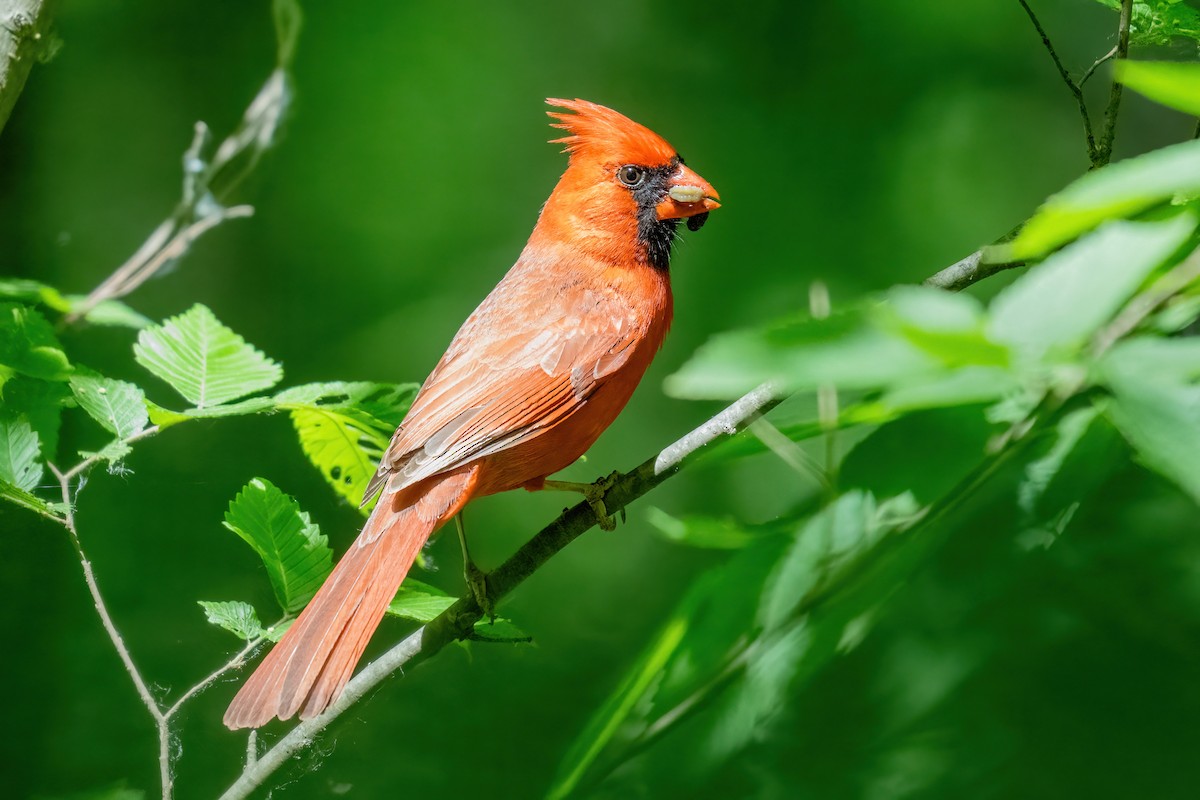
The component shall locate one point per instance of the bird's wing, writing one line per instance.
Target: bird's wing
(521, 363)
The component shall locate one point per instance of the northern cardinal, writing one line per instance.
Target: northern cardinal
(531, 379)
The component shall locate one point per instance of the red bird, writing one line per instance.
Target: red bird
(529, 382)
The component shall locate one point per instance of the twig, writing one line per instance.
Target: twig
(118, 642)
(234, 663)
(1075, 88)
(1104, 151)
(24, 39)
(1095, 64)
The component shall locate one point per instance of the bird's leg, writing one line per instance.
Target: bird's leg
(475, 577)
(594, 494)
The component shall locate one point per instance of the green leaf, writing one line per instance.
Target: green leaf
(111, 313)
(238, 618)
(114, 453)
(501, 631)
(1066, 299)
(29, 501)
(203, 360)
(273, 633)
(1172, 83)
(342, 447)
(19, 464)
(379, 404)
(1156, 404)
(1118, 190)
(947, 325)
(1158, 22)
(33, 292)
(848, 350)
(419, 601)
(41, 403)
(700, 531)
(296, 555)
(28, 344)
(118, 406)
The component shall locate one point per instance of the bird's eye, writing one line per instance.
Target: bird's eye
(631, 175)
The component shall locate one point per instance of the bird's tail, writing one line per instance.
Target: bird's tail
(307, 669)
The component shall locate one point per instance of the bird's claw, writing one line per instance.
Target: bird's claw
(477, 585)
(594, 495)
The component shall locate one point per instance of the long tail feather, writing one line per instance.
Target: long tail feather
(310, 665)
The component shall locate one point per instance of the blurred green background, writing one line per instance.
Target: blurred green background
(859, 143)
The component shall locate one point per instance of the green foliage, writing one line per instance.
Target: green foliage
(108, 312)
(238, 618)
(1099, 273)
(1116, 191)
(118, 406)
(41, 404)
(203, 360)
(344, 428)
(19, 464)
(1172, 83)
(1156, 404)
(28, 345)
(700, 531)
(1158, 22)
(292, 548)
(419, 601)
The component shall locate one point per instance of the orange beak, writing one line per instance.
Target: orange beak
(689, 195)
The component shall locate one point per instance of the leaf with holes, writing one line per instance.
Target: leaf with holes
(343, 445)
(203, 360)
(296, 555)
(19, 464)
(120, 407)
(238, 618)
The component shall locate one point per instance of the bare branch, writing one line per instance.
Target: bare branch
(970, 270)
(1076, 88)
(1104, 150)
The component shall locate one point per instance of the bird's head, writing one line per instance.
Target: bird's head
(624, 179)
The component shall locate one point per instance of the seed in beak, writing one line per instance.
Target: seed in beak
(686, 194)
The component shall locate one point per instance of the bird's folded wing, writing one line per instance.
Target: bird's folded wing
(530, 370)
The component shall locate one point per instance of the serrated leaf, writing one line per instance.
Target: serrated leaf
(296, 555)
(203, 360)
(164, 417)
(343, 447)
(382, 403)
(238, 618)
(1113, 192)
(119, 406)
(1098, 273)
(19, 464)
(500, 630)
(28, 344)
(1172, 83)
(29, 501)
(114, 453)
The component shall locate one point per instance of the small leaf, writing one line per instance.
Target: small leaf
(238, 618)
(111, 313)
(28, 344)
(114, 453)
(296, 555)
(1096, 276)
(1116, 191)
(419, 602)
(500, 630)
(118, 406)
(1172, 83)
(203, 360)
(274, 633)
(19, 464)
(34, 293)
(29, 501)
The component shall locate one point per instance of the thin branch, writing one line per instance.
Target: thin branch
(238, 660)
(970, 270)
(1096, 64)
(25, 38)
(118, 642)
(1075, 88)
(1104, 151)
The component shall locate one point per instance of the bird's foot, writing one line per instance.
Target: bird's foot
(593, 494)
(477, 585)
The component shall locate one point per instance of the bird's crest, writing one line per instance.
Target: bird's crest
(596, 131)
